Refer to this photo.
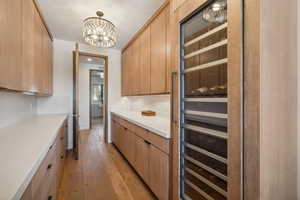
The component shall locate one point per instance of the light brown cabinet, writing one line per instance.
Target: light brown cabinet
(29, 82)
(176, 4)
(135, 67)
(145, 60)
(146, 152)
(46, 181)
(159, 53)
(142, 158)
(11, 44)
(159, 172)
(26, 49)
(145, 68)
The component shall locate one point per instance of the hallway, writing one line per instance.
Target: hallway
(100, 174)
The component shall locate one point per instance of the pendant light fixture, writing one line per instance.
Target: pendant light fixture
(99, 32)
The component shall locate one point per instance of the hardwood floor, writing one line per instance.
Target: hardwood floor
(101, 173)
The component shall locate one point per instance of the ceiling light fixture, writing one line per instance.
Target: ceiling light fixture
(99, 32)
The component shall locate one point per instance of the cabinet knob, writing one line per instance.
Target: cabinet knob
(50, 198)
(61, 157)
(147, 142)
(49, 166)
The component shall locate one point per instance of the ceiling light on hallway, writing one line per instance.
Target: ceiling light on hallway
(99, 32)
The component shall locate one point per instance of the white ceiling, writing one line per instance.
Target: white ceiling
(64, 17)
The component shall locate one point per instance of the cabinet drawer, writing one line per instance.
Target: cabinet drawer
(139, 131)
(160, 142)
(39, 180)
(43, 189)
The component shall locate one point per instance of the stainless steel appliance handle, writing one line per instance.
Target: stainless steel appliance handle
(174, 74)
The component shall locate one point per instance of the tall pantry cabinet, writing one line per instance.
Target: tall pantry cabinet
(25, 48)
(234, 99)
(146, 58)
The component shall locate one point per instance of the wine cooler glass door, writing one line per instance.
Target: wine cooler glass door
(203, 113)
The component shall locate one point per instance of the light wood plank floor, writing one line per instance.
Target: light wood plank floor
(101, 173)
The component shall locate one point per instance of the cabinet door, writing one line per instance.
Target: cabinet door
(141, 163)
(44, 64)
(129, 71)
(135, 67)
(11, 44)
(168, 50)
(159, 53)
(130, 148)
(113, 131)
(28, 78)
(176, 4)
(38, 52)
(117, 139)
(47, 64)
(123, 74)
(159, 173)
(145, 62)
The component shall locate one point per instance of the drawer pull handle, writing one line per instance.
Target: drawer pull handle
(50, 198)
(147, 142)
(49, 166)
(50, 147)
(61, 138)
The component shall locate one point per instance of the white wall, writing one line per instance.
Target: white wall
(84, 94)
(15, 107)
(61, 101)
(158, 103)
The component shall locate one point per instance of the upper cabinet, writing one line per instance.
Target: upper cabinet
(25, 49)
(176, 4)
(145, 60)
(159, 53)
(11, 44)
(145, 70)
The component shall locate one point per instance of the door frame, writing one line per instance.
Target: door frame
(90, 100)
(105, 107)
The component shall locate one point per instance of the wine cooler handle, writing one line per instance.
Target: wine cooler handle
(173, 120)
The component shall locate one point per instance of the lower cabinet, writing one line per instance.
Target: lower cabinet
(142, 158)
(45, 183)
(159, 172)
(146, 152)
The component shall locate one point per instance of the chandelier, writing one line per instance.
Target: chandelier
(99, 32)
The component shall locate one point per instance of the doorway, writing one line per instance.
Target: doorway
(90, 92)
(96, 98)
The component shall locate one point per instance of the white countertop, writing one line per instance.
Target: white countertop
(156, 124)
(23, 146)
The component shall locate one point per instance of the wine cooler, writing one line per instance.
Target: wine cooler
(203, 104)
